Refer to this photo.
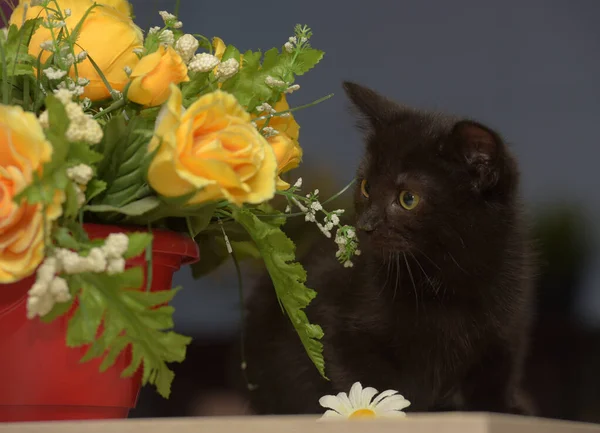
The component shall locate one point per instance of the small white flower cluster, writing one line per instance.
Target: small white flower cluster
(281, 85)
(227, 69)
(82, 126)
(47, 290)
(167, 37)
(54, 74)
(290, 44)
(170, 20)
(347, 243)
(269, 131)
(345, 236)
(292, 88)
(265, 108)
(274, 82)
(81, 174)
(203, 62)
(186, 47)
(108, 258)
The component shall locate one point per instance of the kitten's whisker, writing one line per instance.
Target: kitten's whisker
(397, 275)
(428, 258)
(429, 280)
(456, 263)
(413, 282)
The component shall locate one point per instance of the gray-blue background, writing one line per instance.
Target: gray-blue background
(528, 68)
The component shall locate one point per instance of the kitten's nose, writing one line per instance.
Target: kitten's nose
(366, 226)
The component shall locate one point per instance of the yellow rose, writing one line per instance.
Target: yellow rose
(154, 74)
(213, 149)
(23, 151)
(285, 143)
(109, 22)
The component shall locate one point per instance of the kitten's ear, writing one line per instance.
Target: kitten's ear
(375, 108)
(480, 148)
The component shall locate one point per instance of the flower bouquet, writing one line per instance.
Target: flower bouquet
(117, 161)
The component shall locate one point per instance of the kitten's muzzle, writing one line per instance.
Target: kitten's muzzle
(368, 221)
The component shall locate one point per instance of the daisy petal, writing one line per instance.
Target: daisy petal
(332, 402)
(331, 415)
(394, 402)
(346, 405)
(356, 395)
(383, 395)
(367, 395)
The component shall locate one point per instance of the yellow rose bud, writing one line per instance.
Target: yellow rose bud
(212, 149)
(154, 74)
(23, 152)
(285, 143)
(112, 57)
(219, 47)
(288, 155)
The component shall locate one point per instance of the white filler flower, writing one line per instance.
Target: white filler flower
(364, 404)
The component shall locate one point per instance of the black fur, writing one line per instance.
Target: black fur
(437, 305)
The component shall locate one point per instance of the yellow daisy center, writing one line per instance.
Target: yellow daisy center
(362, 413)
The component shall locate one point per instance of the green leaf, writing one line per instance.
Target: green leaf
(191, 89)
(114, 132)
(138, 242)
(135, 208)
(306, 60)
(200, 219)
(94, 187)
(123, 168)
(231, 52)
(288, 278)
(57, 115)
(71, 206)
(81, 153)
(59, 123)
(129, 318)
(64, 239)
(84, 324)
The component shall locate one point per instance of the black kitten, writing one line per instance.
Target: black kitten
(438, 304)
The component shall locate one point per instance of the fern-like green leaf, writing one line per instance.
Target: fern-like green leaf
(288, 278)
(129, 317)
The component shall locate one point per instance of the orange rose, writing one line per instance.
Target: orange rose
(23, 151)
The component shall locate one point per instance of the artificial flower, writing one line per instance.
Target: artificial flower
(219, 48)
(153, 75)
(211, 149)
(23, 152)
(364, 404)
(284, 141)
(113, 52)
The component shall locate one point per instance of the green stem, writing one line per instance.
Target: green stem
(291, 110)
(333, 197)
(114, 106)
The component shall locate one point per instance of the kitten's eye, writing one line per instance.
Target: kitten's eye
(364, 188)
(409, 200)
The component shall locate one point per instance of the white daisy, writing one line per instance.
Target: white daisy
(363, 403)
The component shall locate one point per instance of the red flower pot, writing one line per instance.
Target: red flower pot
(42, 379)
